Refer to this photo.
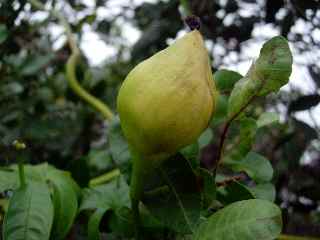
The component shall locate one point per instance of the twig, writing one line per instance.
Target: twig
(230, 180)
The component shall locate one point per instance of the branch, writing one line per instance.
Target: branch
(72, 62)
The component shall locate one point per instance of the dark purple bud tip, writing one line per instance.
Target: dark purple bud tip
(193, 22)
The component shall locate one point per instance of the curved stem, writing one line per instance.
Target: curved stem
(80, 91)
(71, 65)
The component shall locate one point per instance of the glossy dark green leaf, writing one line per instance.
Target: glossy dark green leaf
(30, 213)
(255, 165)
(233, 192)
(244, 220)
(225, 79)
(268, 74)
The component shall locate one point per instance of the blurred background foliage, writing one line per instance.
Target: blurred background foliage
(37, 105)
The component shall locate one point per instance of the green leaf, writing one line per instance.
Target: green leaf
(221, 111)
(267, 118)
(182, 201)
(118, 145)
(268, 74)
(209, 187)
(64, 194)
(243, 144)
(3, 33)
(65, 202)
(191, 153)
(255, 165)
(34, 64)
(225, 79)
(274, 65)
(8, 180)
(244, 220)
(234, 192)
(205, 138)
(30, 213)
(113, 195)
(265, 191)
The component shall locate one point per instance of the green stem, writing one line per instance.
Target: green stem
(20, 146)
(104, 178)
(22, 176)
(82, 93)
(71, 65)
(289, 237)
(136, 191)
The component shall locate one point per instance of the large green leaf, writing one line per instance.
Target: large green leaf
(65, 202)
(8, 180)
(181, 201)
(255, 165)
(268, 74)
(111, 196)
(244, 220)
(30, 213)
(64, 192)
